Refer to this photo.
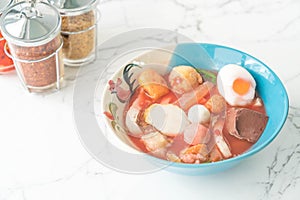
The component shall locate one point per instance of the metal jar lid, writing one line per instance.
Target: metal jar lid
(4, 4)
(27, 24)
(73, 7)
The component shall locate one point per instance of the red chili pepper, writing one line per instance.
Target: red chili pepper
(6, 64)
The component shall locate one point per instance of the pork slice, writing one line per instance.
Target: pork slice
(215, 155)
(245, 124)
(218, 123)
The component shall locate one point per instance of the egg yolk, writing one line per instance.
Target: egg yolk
(241, 86)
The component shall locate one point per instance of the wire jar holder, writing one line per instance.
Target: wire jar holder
(32, 31)
(79, 30)
(58, 69)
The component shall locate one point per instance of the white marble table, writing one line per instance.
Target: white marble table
(41, 156)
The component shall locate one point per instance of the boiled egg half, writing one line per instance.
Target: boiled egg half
(236, 85)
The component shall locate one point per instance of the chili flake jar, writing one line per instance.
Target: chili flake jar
(32, 31)
(79, 30)
(6, 64)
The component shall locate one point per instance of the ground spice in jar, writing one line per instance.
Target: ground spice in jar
(32, 31)
(81, 42)
(42, 73)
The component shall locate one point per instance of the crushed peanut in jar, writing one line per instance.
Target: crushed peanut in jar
(80, 43)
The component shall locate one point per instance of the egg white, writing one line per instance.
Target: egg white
(226, 76)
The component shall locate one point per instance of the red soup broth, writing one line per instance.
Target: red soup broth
(237, 146)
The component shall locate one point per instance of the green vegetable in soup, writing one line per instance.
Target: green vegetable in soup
(207, 75)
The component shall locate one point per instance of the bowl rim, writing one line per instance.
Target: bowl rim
(237, 158)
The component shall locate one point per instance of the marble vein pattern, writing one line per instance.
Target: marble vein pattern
(52, 164)
(283, 170)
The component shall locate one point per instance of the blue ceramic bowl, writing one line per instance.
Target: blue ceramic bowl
(269, 86)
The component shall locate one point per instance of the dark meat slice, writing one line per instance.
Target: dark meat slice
(245, 124)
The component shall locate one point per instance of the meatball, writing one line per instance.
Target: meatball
(216, 104)
(184, 79)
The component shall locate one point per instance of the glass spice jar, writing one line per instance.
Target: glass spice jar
(79, 30)
(32, 31)
(6, 64)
